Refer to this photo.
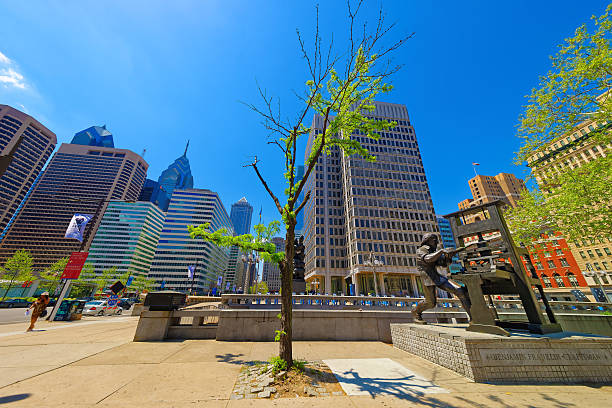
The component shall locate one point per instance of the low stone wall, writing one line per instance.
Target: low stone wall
(556, 358)
(260, 325)
(340, 325)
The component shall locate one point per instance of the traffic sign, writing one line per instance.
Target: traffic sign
(113, 300)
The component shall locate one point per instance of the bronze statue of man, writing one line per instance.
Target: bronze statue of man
(428, 258)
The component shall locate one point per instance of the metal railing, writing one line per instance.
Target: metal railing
(331, 302)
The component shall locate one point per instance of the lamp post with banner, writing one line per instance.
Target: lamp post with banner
(77, 229)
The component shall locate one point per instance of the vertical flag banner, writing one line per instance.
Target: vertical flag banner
(219, 280)
(163, 284)
(227, 286)
(77, 225)
(129, 280)
(190, 271)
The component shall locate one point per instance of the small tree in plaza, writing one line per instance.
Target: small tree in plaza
(53, 273)
(17, 268)
(576, 200)
(341, 89)
(261, 287)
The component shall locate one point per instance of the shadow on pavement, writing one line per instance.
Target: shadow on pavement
(13, 398)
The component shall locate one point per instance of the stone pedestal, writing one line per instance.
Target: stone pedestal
(299, 286)
(558, 358)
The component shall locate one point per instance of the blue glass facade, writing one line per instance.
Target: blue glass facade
(241, 216)
(448, 241)
(153, 192)
(177, 175)
(94, 136)
(176, 250)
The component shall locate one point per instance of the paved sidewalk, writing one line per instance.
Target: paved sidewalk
(93, 363)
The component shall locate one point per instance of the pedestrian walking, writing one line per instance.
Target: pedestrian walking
(39, 309)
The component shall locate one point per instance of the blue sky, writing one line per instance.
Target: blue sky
(158, 73)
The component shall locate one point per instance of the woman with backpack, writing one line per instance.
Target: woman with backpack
(39, 309)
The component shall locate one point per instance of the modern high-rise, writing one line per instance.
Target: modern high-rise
(593, 255)
(176, 250)
(177, 175)
(360, 210)
(299, 226)
(78, 179)
(94, 136)
(485, 189)
(31, 145)
(241, 216)
(152, 191)
(448, 241)
(271, 272)
(127, 237)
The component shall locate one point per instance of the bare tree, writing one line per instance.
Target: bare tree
(341, 89)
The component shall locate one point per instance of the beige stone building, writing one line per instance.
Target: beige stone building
(569, 152)
(366, 219)
(504, 186)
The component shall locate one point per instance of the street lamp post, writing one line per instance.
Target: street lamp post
(373, 262)
(83, 247)
(595, 275)
(250, 260)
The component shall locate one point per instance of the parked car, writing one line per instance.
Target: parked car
(125, 304)
(101, 308)
(11, 303)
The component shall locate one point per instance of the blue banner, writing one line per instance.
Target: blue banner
(129, 280)
(190, 271)
(77, 225)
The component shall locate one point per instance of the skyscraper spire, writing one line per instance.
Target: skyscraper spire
(186, 147)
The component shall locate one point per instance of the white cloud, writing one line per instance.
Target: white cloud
(10, 77)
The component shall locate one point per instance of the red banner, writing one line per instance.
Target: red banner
(74, 265)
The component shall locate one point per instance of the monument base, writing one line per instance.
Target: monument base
(558, 358)
(299, 286)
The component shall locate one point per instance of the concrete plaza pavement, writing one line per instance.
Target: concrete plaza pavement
(94, 363)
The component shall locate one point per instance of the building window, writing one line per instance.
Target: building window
(546, 281)
(589, 267)
(572, 279)
(559, 252)
(583, 255)
(596, 265)
(546, 254)
(598, 252)
(564, 262)
(539, 265)
(590, 253)
(605, 265)
(559, 280)
(551, 264)
(607, 251)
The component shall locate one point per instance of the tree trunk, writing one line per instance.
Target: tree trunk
(285, 346)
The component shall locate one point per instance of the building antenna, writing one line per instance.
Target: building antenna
(144, 151)
(186, 147)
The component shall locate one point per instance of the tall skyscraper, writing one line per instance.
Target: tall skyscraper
(448, 241)
(241, 216)
(360, 209)
(271, 272)
(78, 179)
(176, 250)
(94, 136)
(177, 175)
(299, 226)
(31, 145)
(152, 191)
(127, 237)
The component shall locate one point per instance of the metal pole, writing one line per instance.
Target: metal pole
(59, 299)
(195, 269)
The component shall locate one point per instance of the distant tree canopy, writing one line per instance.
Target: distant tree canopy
(575, 201)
